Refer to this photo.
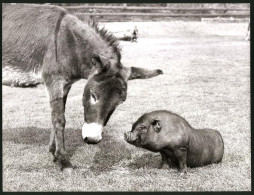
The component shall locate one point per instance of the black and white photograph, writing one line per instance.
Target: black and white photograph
(126, 97)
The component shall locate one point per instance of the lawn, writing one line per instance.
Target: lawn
(206, 80)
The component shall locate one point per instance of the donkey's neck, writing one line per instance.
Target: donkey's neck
(87, 42)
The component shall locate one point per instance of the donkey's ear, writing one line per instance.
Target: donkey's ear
(142, 73)
(130, 73)
(156, 125)
(99, 64)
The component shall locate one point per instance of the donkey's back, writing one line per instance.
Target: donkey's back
(29, 35)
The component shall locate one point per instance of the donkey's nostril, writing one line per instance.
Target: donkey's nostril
(86, 140)
(89, 140)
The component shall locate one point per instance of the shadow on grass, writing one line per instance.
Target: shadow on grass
(40, 137)
(111, 152)
(149, 160)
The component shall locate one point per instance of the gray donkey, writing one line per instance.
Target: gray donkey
(46, 44)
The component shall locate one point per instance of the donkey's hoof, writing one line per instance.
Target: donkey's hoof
(63, 161)
(65, 165)
(52, 149)
(54, 159)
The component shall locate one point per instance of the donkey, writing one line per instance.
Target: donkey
(46, 44)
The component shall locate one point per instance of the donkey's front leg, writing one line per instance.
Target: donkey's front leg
(58, 93)
(52, 144)
(58, 121)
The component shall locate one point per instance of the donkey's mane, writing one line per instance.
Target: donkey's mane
(110, 39)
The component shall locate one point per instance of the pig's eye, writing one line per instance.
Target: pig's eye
(143, 130)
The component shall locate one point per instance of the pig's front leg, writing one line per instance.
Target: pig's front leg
(164, 162)
(181, 156)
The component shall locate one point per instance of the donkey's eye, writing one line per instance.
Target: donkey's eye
(93, 98)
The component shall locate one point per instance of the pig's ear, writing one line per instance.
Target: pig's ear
(156, 125)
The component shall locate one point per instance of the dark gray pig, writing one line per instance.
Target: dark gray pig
(180, 144)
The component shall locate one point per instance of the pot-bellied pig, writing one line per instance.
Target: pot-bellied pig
(180, 144)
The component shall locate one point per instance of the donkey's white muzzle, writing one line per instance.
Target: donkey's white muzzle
(91, 133)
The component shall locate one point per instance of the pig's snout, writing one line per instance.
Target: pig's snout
(131, 138)
(128, 136)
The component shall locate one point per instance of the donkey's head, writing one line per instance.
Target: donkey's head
(106, 88)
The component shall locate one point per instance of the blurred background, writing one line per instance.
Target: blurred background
(160, 11)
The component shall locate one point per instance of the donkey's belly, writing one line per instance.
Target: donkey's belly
(20, 78)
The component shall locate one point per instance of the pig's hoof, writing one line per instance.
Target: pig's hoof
(183, 175)
(68, 170)
(164, 166)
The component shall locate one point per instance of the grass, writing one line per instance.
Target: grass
(206, 80)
